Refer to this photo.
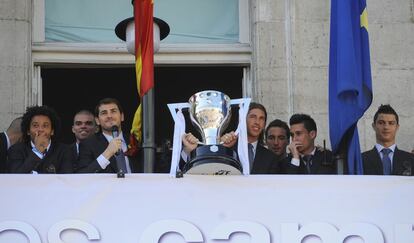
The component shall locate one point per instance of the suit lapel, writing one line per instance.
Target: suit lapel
(74, 150)
(258, 160)
(316, 162)
(377, 162)
(103, 143)
(132, 160)
(398, 162)
(49, 165)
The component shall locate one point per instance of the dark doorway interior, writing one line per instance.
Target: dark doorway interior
(68, 90)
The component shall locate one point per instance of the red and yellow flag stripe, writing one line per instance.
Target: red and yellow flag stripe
(144, 58)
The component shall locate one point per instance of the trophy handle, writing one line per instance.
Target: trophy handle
(175, 109)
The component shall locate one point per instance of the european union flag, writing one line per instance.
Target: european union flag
(350, 87)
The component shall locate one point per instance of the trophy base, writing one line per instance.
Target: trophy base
(213, 160)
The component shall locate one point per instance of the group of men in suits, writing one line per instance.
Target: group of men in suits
(304, 156)
(101, 147)
(94, 151)
(272, 157)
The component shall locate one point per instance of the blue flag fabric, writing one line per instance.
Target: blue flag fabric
(350, 86)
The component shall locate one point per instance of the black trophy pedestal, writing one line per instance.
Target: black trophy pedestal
(213, 160)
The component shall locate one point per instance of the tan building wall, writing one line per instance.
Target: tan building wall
(291, 58)
(15, 58)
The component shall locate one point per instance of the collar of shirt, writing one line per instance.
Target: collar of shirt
(8, 140)
(379, 148)
(37, 152)
(312, 153)
(77, 147)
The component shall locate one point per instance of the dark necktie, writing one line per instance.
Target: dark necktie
(251, 155)
(308, 160)
(120, 161)
(386, 161)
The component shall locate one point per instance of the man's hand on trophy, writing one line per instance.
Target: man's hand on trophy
(229, 139)
(190, 142)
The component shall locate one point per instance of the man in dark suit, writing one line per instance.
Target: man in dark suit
(385, 158)
(83, 127)
(99, 152)
(305, 157)
(262, 160)
(12, 135)
(40, 152)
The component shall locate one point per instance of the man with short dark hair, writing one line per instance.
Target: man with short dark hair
(277, 137)
(305, 157)
(385, 158)
(101, 152)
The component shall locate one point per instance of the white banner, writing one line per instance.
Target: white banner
(151, 208)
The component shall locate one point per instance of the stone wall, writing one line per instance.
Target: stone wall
(291, 58)
(15, 58)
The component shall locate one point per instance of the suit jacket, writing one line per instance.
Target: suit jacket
(265, 161)
(3, 153)
(74, 151)
(89, 151)
(402, 162)
(21, 159)
(322, 163)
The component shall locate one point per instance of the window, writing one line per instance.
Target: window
(191, 21)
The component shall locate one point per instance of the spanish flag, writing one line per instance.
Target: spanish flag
(144, 62)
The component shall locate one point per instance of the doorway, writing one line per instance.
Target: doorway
(69, 90)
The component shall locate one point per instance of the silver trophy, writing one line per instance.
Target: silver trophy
(210, 112)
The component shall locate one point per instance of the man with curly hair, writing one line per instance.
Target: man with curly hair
(40, 152)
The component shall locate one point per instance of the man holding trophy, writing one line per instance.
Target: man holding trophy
(261, 160)
(210, 112)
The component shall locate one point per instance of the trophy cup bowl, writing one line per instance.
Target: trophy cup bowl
(210, 112)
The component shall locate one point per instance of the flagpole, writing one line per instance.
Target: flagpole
(138, 31)
(148, 141)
